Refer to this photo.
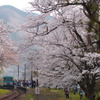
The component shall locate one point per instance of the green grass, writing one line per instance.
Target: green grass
(28, 97)
(71, 95)
(76, 96)
(46, 94)
(3, 92)
(52, 94)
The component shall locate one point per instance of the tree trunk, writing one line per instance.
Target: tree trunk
(88, 86)
(90, 96)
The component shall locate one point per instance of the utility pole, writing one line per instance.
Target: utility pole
(37, 78)
(25, 72)
(37, 89)
(18, 72)
(31, 73)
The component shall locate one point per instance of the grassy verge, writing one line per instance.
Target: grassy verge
(45, 94)
(51, 94)
(3, 92)
(71, 95)
(76, 96)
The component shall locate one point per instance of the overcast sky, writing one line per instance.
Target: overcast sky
(20, 4)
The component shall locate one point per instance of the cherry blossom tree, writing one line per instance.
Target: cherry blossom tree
(70, 41)
(7, 49)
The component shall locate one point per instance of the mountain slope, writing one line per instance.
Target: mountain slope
(13, 16)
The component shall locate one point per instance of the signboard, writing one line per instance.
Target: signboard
(37, 90)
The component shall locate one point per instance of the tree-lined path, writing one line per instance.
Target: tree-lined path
(58, 47)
